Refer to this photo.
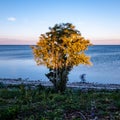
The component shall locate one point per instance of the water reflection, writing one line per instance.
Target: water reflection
(22, 68)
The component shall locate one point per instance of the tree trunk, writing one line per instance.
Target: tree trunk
(59, 78)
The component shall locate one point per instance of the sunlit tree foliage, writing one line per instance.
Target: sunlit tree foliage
(60, 50)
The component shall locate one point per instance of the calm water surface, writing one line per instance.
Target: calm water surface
(17, 61)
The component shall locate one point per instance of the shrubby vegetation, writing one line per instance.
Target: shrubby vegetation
(20, 102)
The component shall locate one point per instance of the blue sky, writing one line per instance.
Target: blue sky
(22, 21)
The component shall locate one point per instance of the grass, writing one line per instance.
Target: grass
(25, 103)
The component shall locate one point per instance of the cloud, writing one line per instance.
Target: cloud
(12, 19)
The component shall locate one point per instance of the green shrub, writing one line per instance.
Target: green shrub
(9, 113)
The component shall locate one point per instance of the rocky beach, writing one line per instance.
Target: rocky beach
(78, 85)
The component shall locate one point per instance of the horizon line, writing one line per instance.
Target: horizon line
(10, 41)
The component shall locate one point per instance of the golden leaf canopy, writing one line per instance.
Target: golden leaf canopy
(62, 46)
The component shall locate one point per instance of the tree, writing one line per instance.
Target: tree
(60, 50)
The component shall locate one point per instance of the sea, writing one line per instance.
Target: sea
(17, 61)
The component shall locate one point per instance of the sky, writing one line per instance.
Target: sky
(23, 21)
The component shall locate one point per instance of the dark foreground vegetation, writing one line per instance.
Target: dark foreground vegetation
(20, 102)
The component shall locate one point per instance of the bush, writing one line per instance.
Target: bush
(9, 113)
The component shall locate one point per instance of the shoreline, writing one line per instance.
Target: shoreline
(78, 85)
